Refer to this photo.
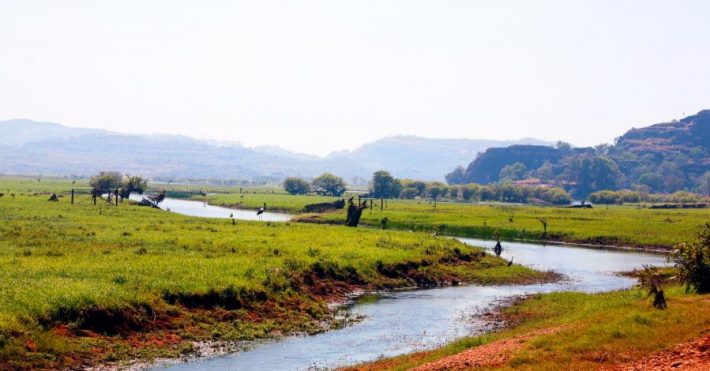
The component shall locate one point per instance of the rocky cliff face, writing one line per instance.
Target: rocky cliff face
(689, 136)
(486, 167)
(664, 157)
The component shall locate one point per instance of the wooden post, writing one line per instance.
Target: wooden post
(382, 204)
(72, 196)
(358, 200)
(115, 194)
(93, 197)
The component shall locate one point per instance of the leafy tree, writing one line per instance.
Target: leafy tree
(385, 185)
(409, 193)
(470, 191)
(296, 186)
(515, 171)
(593, 174)
(693, 261)
(545, 172)
(554, 195)
(455, 191)
(458, 176)
(105, 181)
(416, 184)
(673, 177)
(606, 173)
(329, 185)
(487, 193)
(652, 180)
(507, 192)
(683, 197)
(436, 190)
(605, 197)
(132, 184)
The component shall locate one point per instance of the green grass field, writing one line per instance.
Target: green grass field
(614, 225)
(629, 225)
(593, 331)
(81, 284)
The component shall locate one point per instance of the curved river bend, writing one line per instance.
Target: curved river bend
(407, 321)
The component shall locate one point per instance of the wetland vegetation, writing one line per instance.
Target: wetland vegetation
(84, 284)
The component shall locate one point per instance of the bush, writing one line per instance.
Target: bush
(296, 186)
(106, 181)
(693, 261)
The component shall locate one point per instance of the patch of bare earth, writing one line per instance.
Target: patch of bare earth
(493, 354)
(693, 355)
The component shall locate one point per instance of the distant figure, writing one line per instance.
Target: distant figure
(261, 211)
(498, 249)
(511, 261)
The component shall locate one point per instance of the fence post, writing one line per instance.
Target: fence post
(72, 196)
(116, 195)
(382, 204)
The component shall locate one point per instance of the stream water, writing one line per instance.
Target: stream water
(406, 321)
(204, 210)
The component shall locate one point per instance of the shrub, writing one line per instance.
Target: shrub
(296, 186)
(693, 261)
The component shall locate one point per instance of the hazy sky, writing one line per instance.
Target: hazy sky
(316, 76)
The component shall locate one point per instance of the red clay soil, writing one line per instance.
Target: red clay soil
(693, 355)
(493, 354)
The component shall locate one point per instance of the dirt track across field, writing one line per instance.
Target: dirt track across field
(488, 355)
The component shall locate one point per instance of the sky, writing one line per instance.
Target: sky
(320, 76)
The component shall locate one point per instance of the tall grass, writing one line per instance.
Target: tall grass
(59, 262)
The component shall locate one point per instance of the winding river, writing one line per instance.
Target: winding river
(204, 210)
(406, 321)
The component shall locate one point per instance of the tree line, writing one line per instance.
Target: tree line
(610, 197)
(384, 185)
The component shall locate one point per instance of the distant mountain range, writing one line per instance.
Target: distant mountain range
(665, 157)
(31, 147)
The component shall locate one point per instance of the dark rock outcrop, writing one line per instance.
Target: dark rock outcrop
(486, 167)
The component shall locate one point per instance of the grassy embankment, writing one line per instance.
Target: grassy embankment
(85, 284)
(576, 331)
(602, 225)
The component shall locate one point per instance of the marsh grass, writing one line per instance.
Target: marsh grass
(78, 282)
(602, 225)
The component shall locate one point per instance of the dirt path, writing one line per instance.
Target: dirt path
(693, 355)
(488, 355)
